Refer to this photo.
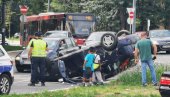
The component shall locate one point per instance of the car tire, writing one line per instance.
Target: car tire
(109, 41)
(122, 32)
(5, 84)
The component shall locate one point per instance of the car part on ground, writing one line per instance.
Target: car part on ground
(6, 72)
(164, 87)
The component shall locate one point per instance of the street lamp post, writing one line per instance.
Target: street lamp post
(134, 20)
(48, 6)
(23, 9)
(3, 22)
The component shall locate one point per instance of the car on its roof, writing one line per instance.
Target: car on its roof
(161, 38)
(57, 34)
(6, 72)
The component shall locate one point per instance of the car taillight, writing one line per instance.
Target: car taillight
(165, 81)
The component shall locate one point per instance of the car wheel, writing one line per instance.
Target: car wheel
(109, 41)
(5, 84)
(122, 33)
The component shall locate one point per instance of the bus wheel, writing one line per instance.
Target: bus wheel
(122, 33)
(109, 41)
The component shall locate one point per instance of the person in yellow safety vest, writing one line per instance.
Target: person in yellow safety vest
(37, 54)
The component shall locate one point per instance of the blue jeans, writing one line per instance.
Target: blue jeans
(152, 71)
(37, 69)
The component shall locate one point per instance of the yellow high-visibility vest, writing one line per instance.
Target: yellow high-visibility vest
(39, 48)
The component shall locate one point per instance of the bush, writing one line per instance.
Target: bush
(12, 48)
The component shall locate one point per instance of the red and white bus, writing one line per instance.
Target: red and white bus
(79, 24)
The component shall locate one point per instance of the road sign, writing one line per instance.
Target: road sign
(131, 12)
(130, 21)
(23, 9)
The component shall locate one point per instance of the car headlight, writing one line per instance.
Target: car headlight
(17, 58)
(155, 42)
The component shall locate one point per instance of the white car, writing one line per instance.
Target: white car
(6, 72)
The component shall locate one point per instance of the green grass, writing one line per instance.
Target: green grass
(128, 85)
(12, 48)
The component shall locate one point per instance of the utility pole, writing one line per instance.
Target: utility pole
(48, 6)
(3, 22)
(134, 20)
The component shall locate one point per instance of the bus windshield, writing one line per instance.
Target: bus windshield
(81, 27)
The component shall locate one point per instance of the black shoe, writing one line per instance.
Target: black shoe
(144, 85)
(155, 84)
(31, 84)
(42, 84)
(37, 82)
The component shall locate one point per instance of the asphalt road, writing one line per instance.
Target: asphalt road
(22, 79)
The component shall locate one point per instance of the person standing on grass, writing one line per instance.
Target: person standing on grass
(97, 76)
(88, 66)
(143, 49)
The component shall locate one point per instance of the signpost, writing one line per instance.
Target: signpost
(23, 10)
(130, 20)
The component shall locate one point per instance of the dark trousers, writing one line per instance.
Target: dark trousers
(37, 69)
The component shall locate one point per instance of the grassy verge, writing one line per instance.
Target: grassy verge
(128, 85)
(12, 48)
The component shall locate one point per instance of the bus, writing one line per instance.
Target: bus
(80, 25)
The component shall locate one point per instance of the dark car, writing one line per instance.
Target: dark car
(115, 50)
(64, 49)
(164, 87)
(161, 38)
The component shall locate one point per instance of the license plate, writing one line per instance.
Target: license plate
(166, 46)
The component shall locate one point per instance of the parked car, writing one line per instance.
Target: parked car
(164, 87)
(6, 72)
(161, 38)
(57, 34)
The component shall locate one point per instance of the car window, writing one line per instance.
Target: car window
(160, 33)
(1, 53)
(69, 43)
(51, 44)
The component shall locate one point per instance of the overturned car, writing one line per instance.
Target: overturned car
(66, 60)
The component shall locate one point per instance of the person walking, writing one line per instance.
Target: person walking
(97, 77)
(143, 49)
(88, 66)
(37, 54)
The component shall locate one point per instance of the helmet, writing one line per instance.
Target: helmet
(38, 34)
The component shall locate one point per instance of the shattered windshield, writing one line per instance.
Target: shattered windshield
(52, 44)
